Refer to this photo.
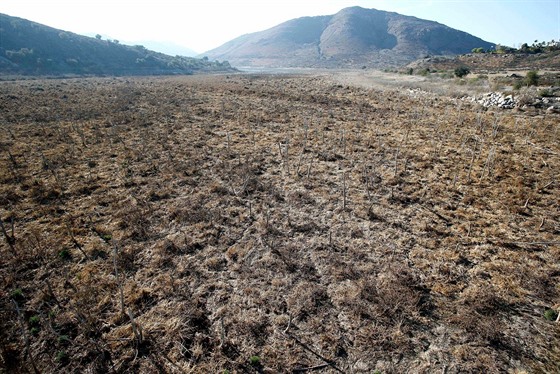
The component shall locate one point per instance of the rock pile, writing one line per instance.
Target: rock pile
(552, 104)
(496, 99)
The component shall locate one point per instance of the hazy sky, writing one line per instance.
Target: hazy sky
(206, 24)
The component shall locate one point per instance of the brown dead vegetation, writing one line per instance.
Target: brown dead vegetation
(273, 224)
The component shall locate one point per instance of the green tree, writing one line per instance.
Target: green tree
(461, 71)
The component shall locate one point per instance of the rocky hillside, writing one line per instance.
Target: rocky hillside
(354, 37)
(483, 62)
(29, 48)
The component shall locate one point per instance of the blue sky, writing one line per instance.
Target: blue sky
(206, 24)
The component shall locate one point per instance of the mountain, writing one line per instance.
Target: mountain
(353, 37)
(29, 48)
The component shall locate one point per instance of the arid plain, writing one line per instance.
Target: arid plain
(274, 223)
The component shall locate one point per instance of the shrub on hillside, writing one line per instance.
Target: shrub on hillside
(532, 78)
(461, 71)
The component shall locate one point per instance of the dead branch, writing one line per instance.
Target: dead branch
(10, 238)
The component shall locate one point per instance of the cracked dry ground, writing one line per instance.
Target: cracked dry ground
(273, 224)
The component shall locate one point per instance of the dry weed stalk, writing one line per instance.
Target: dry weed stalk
(136, 328)
(489, 164)
(75, 241)
(344, 191)
(309, 167)
(10, 238)
(25, 333)
(118, 278)
(10, 132)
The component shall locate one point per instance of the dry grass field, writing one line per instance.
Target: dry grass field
(272, 224)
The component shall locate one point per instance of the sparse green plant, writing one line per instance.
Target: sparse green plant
(61, 356)
(532, 78)
(255, 360)
(64, 254)
(502, 49)
(546, 93)
(17, 294)
(551, 314)
(34, 321)
(34, 325)
(446, 75)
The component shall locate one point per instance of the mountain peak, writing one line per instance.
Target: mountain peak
(354, 36)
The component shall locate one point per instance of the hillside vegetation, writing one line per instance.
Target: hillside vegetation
(538, 56)
(29, 48)
(267, 224)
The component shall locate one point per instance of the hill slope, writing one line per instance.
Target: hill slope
(483, 62)
(30, 48)
(353, 37)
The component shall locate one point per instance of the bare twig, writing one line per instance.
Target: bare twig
(75, 242)
(311, 368)
(309, 167)
(222, 332)
(136, 329)
(289, 325)
(397, 160)
(13, 160)
(299, 162)
(26, 337)
(529, 243)
(470, 166)
(307, 348)
(119, 281)
(344, 190)
(52, 294)
(10, 132)
(546, 185)
(10, 238)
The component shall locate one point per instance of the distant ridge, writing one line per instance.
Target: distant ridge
(30, 48)
(354, 37)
